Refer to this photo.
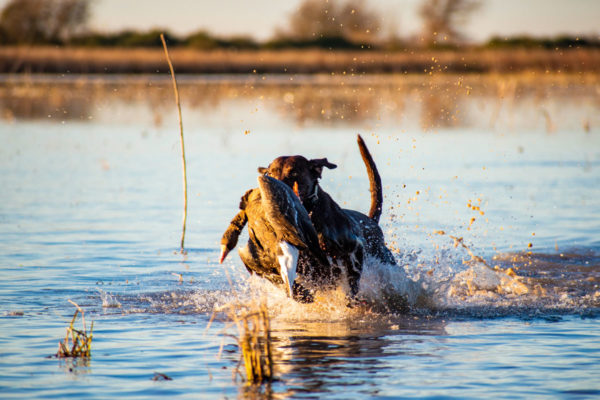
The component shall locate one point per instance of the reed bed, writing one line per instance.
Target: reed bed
(150, 60)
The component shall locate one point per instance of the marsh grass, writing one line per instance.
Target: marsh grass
(144, 60)
(77, 343)
(254, 339)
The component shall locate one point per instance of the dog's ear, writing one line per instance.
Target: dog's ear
(317, 164)
(262, 170)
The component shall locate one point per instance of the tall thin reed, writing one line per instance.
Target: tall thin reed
(176, 91)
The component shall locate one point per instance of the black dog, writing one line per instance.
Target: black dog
(345, 236)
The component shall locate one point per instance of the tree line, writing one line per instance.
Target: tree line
(330, 24)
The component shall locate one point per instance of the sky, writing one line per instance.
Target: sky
(260, 18)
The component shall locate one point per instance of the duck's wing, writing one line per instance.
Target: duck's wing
(284, 212)
(292, 226)
(288, 216)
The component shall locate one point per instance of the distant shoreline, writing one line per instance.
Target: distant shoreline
(58, 60)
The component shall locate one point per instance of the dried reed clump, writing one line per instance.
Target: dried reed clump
(254, 339)
(77, 343)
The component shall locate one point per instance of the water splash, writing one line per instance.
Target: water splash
(525, 283)
(109, 300)
(449, 281)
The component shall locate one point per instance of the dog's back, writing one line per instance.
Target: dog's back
(374, 239)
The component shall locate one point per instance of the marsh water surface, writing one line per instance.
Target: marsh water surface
(91, 208)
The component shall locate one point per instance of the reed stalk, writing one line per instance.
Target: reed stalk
(176, 91)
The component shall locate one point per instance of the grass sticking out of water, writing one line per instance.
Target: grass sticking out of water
(77, 343)
(183, 162)
(254, 339)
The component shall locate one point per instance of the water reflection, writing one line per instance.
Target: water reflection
(442, 110)
(436, 102)
(314, 357)
(76, 366)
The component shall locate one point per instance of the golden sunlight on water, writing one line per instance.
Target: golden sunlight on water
(446, 101)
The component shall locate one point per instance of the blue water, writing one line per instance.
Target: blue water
(91, 211)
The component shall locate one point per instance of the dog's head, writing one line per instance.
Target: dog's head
(298, 173)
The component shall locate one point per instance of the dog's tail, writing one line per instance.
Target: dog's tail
(374, 181)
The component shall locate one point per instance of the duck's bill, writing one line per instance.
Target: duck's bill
(224, 252)
(288, 263)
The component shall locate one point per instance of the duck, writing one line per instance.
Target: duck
(281, 234)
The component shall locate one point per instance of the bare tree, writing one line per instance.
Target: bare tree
(350, 19)
(314, 18)
(443, 19)
(358, 23)
(43, 21)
